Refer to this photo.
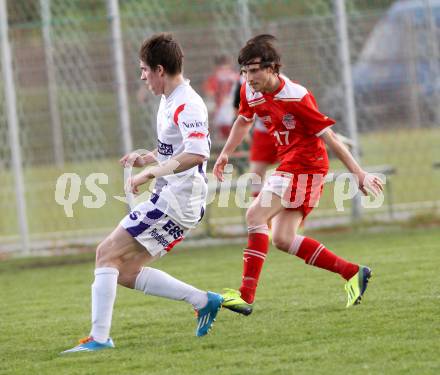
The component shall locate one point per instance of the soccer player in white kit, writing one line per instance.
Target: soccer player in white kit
(154, 227)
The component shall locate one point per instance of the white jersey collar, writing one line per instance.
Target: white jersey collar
(177, 89)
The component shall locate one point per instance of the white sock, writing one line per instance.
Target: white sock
(103, 299)
(157, 283)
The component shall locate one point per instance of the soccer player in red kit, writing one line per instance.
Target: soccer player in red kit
(263, 152)
(291, 115)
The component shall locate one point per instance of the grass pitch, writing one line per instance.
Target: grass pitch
(299, 326)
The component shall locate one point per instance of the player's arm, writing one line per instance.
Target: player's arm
(139, 158)
(239, 130)
(176, 164)
(367, 182)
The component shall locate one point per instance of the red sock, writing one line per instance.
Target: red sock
(253, 259)
(318, 255)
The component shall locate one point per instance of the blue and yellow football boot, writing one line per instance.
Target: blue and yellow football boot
(206, 316)
(88, 344)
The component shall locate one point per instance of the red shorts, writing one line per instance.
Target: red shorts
(263, 148)
(297, 191)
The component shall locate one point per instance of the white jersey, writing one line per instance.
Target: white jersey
(182, 126)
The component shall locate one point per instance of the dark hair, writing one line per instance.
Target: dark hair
(162, 49)
(261, 46)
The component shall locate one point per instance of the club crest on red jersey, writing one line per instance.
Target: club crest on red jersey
(289, 121)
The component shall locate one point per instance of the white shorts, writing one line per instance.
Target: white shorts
(153, 228)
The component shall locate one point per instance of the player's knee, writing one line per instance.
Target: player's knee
(104, 256)
(101, 255)
(253, 217)
(281, 242)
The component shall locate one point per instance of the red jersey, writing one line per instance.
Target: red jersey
(220, 83)
(292, 117)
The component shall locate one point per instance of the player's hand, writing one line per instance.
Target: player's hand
(219, 166)
(137, 160)
(370, 184)
(133, 183)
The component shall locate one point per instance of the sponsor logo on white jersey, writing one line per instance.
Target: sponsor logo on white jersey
(193, 124)
(164, 148)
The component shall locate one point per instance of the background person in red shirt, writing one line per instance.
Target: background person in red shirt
(291, 115)
(218, 89)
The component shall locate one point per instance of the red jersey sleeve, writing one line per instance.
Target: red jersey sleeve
(314, 121)
(245, 110)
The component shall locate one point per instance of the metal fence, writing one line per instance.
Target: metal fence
(71, 100)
